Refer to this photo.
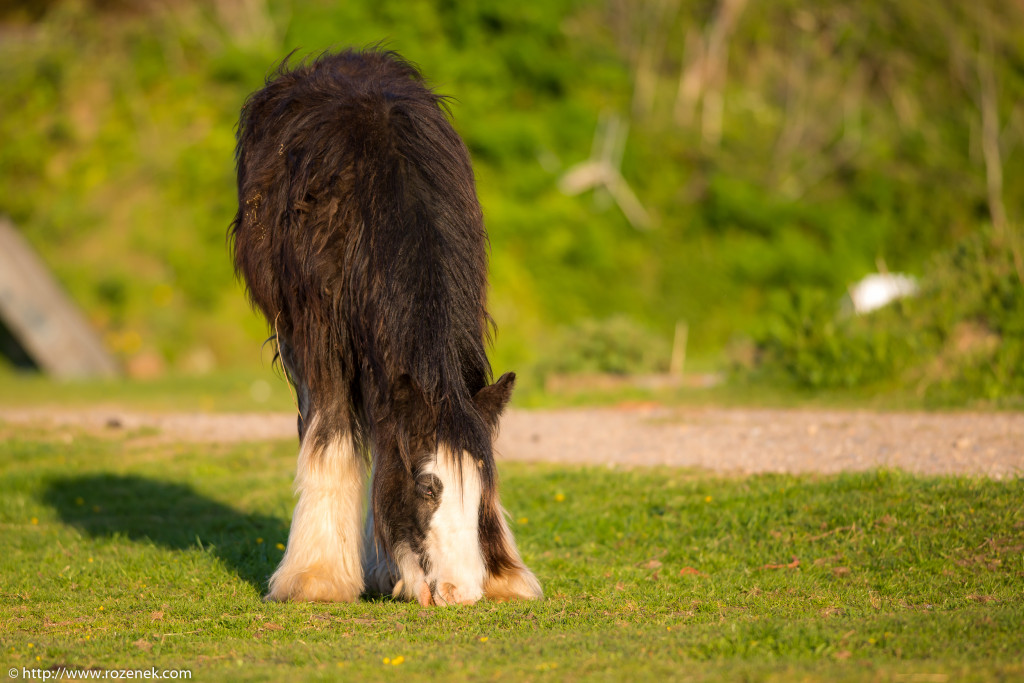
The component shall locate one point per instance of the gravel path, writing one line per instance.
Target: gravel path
(727, 440)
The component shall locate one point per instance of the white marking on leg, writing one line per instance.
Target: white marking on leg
(323, 559)
(457, 569)
(413, 584)
(399, 576)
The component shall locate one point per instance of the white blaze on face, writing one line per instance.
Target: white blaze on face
(457, 569)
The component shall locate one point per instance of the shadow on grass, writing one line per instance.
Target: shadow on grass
(171, 515)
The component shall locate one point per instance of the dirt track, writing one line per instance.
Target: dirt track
(729, 440)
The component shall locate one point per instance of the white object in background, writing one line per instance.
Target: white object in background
(878, 289)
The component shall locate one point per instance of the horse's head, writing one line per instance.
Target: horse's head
(436, 507)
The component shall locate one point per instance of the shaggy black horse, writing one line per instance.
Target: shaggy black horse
(360, 238)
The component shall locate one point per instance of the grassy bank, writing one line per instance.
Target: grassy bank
(826, 139)
(134, 552)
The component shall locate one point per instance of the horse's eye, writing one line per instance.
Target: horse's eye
(428, 487)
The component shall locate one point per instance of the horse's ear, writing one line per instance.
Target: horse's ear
(492, 399)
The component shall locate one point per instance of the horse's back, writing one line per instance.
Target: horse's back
(359, 230)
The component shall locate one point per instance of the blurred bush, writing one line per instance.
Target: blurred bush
(960, 341)
(615, 345)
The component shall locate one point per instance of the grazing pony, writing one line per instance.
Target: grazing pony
(360, 238)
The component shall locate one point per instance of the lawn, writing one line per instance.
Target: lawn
(264, 389)
(132, 552)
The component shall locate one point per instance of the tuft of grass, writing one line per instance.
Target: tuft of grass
(119, 554)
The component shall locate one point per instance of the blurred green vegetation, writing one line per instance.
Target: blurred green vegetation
(960, 340)
(617, 345)
(781, 150)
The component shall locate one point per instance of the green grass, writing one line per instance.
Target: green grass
(130, 552)
(264, 389)
(238, 390)
(729, 394)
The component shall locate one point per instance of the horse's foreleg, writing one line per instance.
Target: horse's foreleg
(379, 569)
(323, 559)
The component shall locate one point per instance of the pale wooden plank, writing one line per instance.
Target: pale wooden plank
(40, 315)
